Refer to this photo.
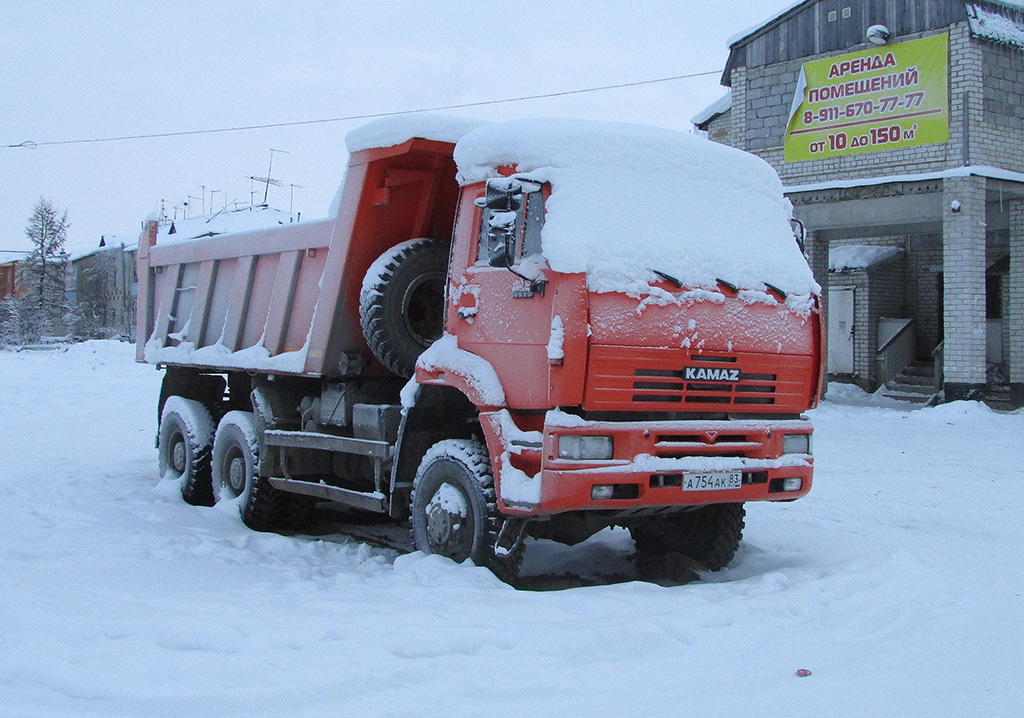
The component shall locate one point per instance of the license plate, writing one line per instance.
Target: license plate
(722, 481)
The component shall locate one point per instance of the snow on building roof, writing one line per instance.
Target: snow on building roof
(241, 219)
(111, 242)
(995, 26)
(630, 199)
(716, 108)
(391, 131)
(853, 257)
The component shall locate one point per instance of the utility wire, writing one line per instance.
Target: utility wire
(30, 144)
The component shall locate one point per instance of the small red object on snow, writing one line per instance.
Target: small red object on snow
(803, 673)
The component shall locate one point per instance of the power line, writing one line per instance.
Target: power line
(30, 144)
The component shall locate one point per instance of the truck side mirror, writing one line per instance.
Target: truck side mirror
(504, 198)
(501, 238)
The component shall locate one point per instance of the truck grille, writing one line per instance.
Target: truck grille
(672, 380)
(673, 386)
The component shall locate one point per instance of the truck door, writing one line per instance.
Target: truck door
(504, 313)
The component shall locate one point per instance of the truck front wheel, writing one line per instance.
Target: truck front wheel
(709, 535)
(183, 448)
(234, 469)
(401, 303)
(454, 509)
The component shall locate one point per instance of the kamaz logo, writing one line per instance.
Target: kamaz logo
(699, 373)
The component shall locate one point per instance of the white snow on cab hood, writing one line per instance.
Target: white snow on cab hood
(629, 199)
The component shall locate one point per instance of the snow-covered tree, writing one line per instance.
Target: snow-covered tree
(42, 276)
(12, 326)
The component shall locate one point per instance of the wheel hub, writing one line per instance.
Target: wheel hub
(236, 474)
(178, 456)
(449, 530)
(441, 525)
(423, 308)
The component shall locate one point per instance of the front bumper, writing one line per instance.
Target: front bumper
(651, 463)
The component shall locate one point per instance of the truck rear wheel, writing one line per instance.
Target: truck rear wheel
(401, 304)
(234, 472)
(709, 535)
(183, 448)
(454, 507)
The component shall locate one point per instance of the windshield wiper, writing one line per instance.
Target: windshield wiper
(668, 278)
(728, 285)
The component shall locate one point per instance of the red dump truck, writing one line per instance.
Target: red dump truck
(536, 328)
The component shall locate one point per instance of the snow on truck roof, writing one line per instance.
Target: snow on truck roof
(628, 200)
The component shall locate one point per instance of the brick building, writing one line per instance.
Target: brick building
(897, 127)
(8, 279)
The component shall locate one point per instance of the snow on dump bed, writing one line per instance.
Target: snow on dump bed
(629, 199)
(391, 131)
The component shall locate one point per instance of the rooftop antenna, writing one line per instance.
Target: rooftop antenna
(270, 173)
(267, 181)
(291, 201)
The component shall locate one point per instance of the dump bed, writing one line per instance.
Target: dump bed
(286, 299)
(236, 300)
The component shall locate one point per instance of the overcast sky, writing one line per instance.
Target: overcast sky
(84, 70)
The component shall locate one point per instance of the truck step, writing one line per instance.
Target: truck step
(366, 501)
(329, 442)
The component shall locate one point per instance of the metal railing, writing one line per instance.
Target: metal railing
(897, 344)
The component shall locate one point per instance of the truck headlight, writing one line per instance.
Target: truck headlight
(796, 444)
(580, 447)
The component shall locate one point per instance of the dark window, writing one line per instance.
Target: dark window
(994, 296)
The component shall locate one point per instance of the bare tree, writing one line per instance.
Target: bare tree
(43, 273)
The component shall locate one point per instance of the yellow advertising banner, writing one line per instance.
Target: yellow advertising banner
(879, 99)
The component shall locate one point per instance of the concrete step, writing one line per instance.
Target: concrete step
(998, 397)
(910, 397)
(926, 372)
(915, 379)
(910, 387)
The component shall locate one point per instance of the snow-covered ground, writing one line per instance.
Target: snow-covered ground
(898, 583)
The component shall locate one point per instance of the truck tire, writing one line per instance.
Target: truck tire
(709, 535)
(183, 448)
(401, 304)
(454, 507)
(234, 465)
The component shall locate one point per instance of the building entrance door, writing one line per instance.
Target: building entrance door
(840, 330)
